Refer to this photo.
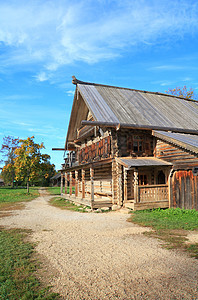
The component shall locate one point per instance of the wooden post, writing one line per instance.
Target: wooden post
(76, 183)
(120, 185)
(136, 194)
(70, 184)
(83, 184)
(92, 186)
(170, 188)
(65, 182)
(114, 181)
(125, 184)
(61, 183)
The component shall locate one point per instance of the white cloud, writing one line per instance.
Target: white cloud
(187, 79)
(42, 76)
(167, 68)
(52, 34)
(166, 83)
(70, 93)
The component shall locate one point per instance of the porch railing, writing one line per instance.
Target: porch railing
(150, 193)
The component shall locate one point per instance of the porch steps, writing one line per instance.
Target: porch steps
(147, 205)
(129, 205)
(100, 204)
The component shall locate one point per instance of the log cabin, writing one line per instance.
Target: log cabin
(131, 148)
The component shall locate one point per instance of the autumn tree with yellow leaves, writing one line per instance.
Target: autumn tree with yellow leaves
(30, 163)
(183, 92)
(7, 150)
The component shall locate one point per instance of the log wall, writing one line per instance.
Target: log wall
(126, 139)
(130, 185)
(180, 158)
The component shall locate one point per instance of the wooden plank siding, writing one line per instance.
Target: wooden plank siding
(184, 190)
(183, 184)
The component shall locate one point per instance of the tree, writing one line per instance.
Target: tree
(8, 148)
(29, 162)
(47, 170)
(182, 92)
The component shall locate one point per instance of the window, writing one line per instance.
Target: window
(143, 179)
(137, 143)
(129, 143)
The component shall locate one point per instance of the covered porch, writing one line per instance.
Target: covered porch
(135, 183)
(93, 184)
(145, 182)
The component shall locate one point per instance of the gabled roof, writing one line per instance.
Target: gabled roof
(186, 141)
(56, 176)
(123, 106)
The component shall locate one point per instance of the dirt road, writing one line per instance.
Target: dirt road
(101, 256)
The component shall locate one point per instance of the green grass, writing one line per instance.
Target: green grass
(56, 190)
(65, 204)
(167, 218)
(9, 195)
(17, 269)
(171, 226)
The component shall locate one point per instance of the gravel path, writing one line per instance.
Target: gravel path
(101, 256)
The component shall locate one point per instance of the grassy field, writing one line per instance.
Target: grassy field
(18, 269)
(9, 196)
(167, 218)
(56, 190)
(170, 225)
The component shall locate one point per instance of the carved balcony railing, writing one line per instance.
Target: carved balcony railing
(151, 193)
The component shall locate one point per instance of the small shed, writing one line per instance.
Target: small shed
(1, 182)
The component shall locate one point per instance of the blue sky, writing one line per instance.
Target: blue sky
(149, 45)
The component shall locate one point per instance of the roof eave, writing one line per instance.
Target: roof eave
(176, 142)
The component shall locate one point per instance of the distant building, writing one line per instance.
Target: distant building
(1, 182)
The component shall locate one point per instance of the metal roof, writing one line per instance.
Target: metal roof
(129, 162)
(127, 106)
(186, 141)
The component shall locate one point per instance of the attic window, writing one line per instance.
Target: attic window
(135, 143)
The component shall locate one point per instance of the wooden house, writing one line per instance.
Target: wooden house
(1, 182)
(131, 148)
